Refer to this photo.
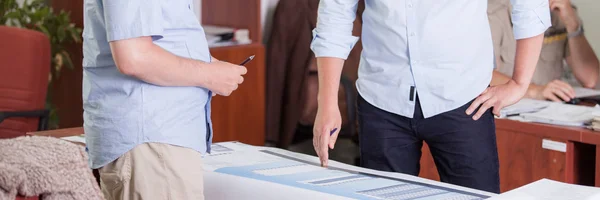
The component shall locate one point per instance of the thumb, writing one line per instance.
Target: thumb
(334, 134)
(496, 110)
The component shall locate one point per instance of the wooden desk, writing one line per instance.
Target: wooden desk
(59, 132)
(523, 159)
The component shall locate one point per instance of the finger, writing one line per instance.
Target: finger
(243, 70)
(333, 137)
(484, 107)
(477, 102)
(568, 89)
(214, 94)
(316, 141)
(497, 109)
(241, 80)
(552, 97)
(323, 144)
(562, 94)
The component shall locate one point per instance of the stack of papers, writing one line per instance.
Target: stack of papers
(550, 190)
(562, 114)
(595, 124)
(77, 138)
(524, 106)
(585, 92)
(226, 36)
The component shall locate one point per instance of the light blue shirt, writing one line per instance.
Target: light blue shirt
(121, 112)
(443, 48)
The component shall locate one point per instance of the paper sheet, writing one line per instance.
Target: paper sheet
(562, 114)
(77, 138)
(546, 189)
(271, 166)
(523, 106)
(585, 92)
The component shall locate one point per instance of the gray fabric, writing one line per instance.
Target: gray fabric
(56, 169)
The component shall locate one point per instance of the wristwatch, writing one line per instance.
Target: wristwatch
(578, 32)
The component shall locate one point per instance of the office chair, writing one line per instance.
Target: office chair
(24, 69)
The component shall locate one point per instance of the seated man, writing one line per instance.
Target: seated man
(563, 41)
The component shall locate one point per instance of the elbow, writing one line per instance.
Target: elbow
(129, 65)
(130, 56)
(128, 68)
(591, 81)
(589, 84)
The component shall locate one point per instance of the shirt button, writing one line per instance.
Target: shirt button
(414, 62)
(410, 5)
(412, 34)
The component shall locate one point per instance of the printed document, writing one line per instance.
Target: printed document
(546, 189)
(563, 115)
(238, 171)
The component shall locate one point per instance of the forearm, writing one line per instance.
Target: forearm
(150, 63)
(583, 61)
(500, 78)
(330, 71)
(527, 55)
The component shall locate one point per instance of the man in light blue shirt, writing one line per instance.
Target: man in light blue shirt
(424, 74)
(147, 84)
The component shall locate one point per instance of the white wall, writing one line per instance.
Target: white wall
(267, 11)
(588, 11)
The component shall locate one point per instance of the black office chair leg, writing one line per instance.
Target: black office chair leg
(42, 114)
(43, 123)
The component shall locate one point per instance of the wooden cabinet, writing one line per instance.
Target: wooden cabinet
(241, 116)
(523, 159)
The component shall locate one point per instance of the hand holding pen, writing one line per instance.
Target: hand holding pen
(225, 77)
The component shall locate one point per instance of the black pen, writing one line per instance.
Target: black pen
(247, 60)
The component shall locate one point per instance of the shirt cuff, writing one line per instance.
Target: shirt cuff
(332, 45)
(530, 23)
(133, 31)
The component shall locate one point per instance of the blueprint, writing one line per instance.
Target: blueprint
(299, 171)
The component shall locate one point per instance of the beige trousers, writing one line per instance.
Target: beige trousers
(154, 171)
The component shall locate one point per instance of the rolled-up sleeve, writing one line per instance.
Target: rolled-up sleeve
(126, 19)
(333, 35)
(530, 17)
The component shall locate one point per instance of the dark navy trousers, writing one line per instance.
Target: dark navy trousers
(464, 150)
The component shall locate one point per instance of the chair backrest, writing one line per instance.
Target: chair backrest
(24, 69)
